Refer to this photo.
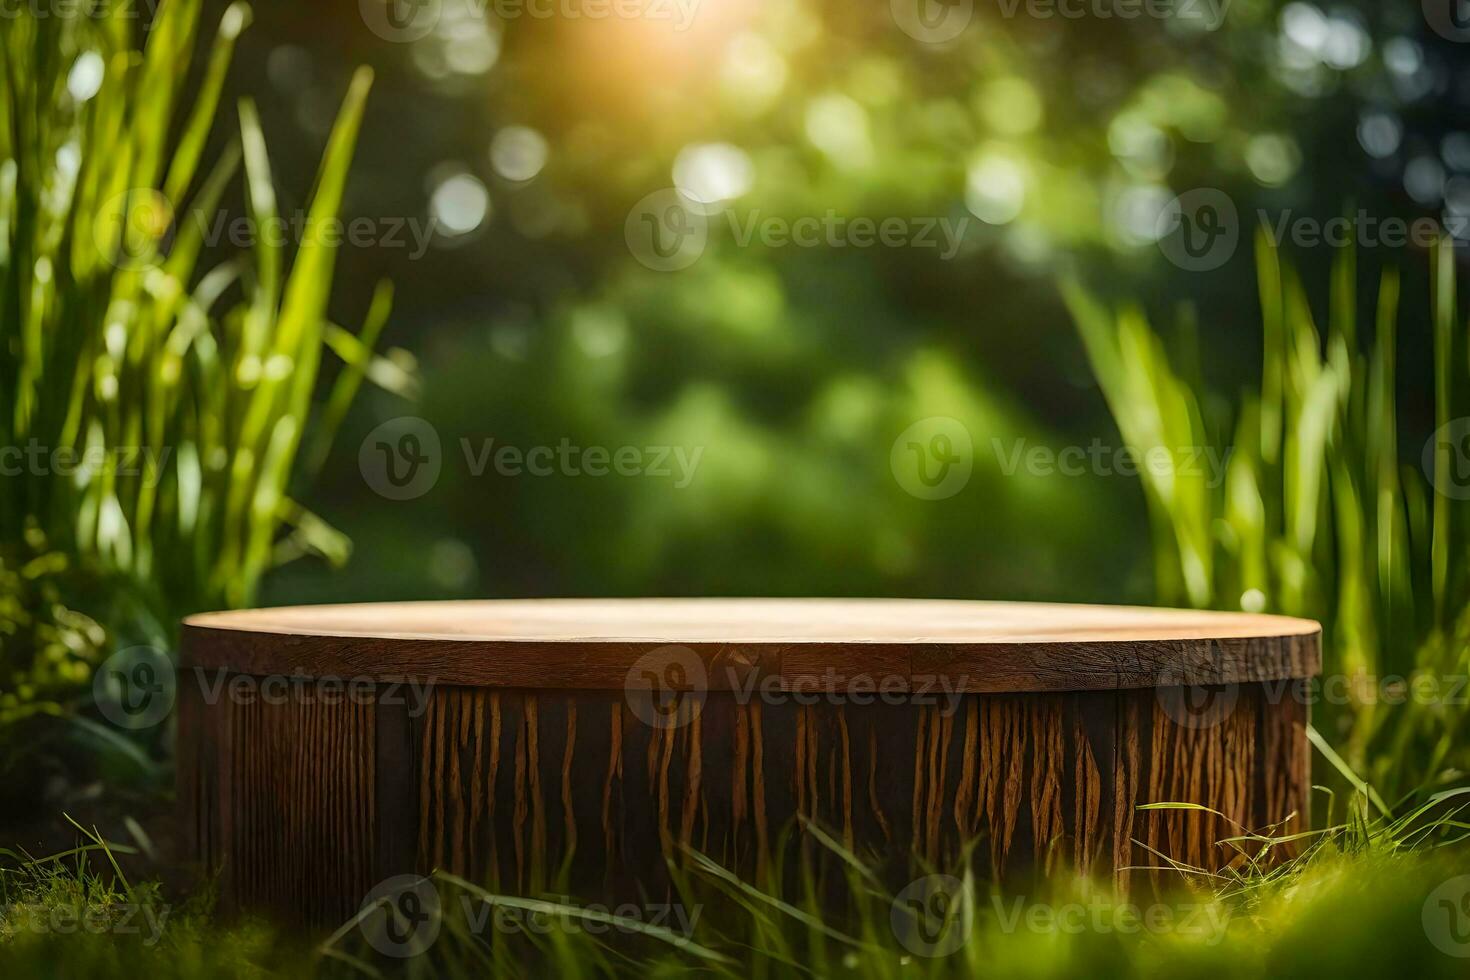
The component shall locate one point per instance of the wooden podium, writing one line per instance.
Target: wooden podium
(581, 743)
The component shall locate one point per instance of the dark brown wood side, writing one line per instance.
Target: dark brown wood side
(982, 667)
(304, 807)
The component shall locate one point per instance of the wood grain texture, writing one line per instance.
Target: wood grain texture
(280, 799)
(814, 644)
(523, 752)
(305, 807)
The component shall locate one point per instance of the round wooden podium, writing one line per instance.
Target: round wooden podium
(577, 744)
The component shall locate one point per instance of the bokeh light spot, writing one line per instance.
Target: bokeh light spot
(459, 204)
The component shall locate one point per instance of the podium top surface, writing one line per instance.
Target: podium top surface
(594, 643)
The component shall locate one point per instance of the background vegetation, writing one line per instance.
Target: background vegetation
(517, 146)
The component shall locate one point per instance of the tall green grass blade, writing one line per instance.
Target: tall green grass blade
(1443, 306)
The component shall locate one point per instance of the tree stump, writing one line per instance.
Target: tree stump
(576, 744)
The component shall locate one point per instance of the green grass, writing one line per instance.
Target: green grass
(76, 914)
(1322, 513)
(116, 343)
(1360, 901)
(161, 389)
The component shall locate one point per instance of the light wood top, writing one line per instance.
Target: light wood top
(592, 643)
(757, 621)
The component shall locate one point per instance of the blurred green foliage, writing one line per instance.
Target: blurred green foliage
(47, 649)
(794, 367)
